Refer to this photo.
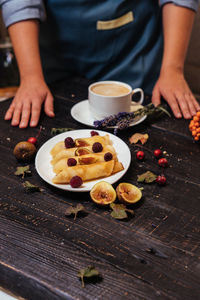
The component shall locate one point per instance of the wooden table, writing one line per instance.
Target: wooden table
(153, 255)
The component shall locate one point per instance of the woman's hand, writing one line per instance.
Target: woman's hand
(171, 85)
(27, 103)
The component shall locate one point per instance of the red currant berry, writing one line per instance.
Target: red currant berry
(108, 156)
(76, 181)
(140, 155)
(93, 133)
(71, 162)
(69, 142)
(163, 162)
(32, 140)
(97, 147)
(157, 153)
(161, 180)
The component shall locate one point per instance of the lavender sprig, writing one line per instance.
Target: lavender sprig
(123, 120)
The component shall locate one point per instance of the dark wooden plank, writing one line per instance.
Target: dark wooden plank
(154, 254)
(118, 243)
(46, 260)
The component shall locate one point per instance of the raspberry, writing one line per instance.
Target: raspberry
(163, 162)
(69, 142)
(93, 133)
(157, 153)
(97, 147)
(76, 181)
(108, 156)
(161, 180)
(71, 162)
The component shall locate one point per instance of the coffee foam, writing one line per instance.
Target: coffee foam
(110, 89)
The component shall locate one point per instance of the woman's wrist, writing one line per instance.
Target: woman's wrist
(172, 68)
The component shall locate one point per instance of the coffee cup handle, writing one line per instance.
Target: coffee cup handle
(139, 90)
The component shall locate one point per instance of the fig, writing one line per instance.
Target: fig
(24, 151)
(82, 151)
(103, 193)
(128, 193)
(81, 143)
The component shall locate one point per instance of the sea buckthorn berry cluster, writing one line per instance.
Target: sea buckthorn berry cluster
(194, 126)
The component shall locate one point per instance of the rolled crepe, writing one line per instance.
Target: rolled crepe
(105, 140)
(83, 142)
(86, 159)
(70, 152)
(86, 172)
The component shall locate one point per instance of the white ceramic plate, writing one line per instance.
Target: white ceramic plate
(44, 167)
(81, 113)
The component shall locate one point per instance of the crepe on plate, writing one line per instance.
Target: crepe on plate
(83, 142)
(86, 159)
(89, 166)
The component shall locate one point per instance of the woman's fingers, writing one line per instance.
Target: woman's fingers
(9, 112)
(172, 86)
(48, 105)
(17, 114)
(196, 104)
(172, 101)
(26, 106)
(35, 113)
(182, 101)
(156, 96)
(191, 104)
(25, 116)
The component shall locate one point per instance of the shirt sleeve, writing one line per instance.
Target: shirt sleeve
(18, 10)
(193, 4)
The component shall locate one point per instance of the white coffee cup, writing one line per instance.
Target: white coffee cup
(111, 97)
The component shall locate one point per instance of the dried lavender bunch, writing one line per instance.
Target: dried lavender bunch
(122, 120)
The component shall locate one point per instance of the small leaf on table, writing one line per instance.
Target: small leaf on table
(88, 272)
(31, 187)
(136, 137)
(119, 211)
(74, 210)
(147, 177)
(55, 131)
(22, 171)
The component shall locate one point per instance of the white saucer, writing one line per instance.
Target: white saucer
(81, 113)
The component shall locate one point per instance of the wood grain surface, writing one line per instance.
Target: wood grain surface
(152, 255)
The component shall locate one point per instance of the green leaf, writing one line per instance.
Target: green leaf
(31, 188)
(119, 211)
(88, 272)
(74, 210)
(147, 177)
(22, 171)
(55, 131)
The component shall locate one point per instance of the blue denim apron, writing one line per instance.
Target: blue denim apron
(103, 40)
